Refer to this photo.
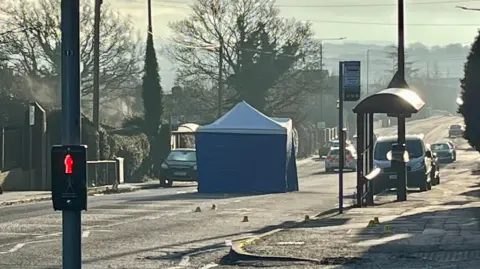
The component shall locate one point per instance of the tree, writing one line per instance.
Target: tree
(261, 50)
(152, 92)
(470, 94)
(33, 49)
(410, 70)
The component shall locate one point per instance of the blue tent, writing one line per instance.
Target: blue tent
(246, 152)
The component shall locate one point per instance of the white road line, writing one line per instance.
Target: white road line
(185, 261)
(210, 265)
(48, 235)
(16, 247)
(85, 234)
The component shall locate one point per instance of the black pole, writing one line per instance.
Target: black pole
(71, 134)
(401, 175)
(341, 138)
(401, 40)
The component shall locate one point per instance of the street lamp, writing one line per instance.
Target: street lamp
(321, 68)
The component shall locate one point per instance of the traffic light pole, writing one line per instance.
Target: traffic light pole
(71, 132)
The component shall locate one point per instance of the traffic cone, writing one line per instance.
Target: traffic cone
(371, 223)
(376, 220)
(245, 219)
(198, 209)
(214, 207)
(307, 217)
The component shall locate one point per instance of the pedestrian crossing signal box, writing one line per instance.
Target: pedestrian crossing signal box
(69, 177)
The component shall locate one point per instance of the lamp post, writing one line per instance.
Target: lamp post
(321, 70)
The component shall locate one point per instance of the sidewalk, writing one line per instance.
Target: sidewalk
(22, 197)
(435, 229)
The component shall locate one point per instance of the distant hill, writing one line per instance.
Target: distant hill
(442, 62)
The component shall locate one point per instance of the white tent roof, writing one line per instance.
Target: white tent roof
(243, 118)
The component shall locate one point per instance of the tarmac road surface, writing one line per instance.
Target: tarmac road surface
(159, 228)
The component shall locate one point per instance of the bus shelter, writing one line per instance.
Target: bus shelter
(395, 102)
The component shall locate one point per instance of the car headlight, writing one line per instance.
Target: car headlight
(195, 167)
(164, 166)
(417, 166)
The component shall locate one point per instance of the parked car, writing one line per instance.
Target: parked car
(422, 168)
(456, 130)
(444, 151)
(180, 165)
(335, 143)
(333, 157)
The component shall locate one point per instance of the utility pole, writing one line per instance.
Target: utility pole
(216, 10)
(71, 120)
(220, 78)
(368, 72)
(321, 81)
(96, 76)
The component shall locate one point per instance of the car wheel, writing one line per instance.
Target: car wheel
(169, 183)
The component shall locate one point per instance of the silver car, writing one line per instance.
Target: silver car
(333, 157)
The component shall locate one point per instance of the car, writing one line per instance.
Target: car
(444, 151)
(332, 160)
(180, 165)
(456, 130)
(334, 143)
(422, 168)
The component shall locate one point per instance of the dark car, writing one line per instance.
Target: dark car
(456, 130)
(445, 151)
(180, 165)
(325, 149)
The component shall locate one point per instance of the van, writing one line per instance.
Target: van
(422, 171)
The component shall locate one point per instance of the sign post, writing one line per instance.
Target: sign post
(351, 80)
(348, 90)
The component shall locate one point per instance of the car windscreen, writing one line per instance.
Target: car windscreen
(337, 152)
(455, 127)
(335, 144)
(182, 156)
(414, 148)
(437, 147)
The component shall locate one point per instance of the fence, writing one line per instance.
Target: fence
(11, 148)
(105, 172)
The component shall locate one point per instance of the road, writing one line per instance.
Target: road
(159, 228)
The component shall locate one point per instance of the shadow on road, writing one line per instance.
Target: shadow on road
(188, 196)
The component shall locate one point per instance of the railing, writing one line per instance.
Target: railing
(370, 181)
(105, 172)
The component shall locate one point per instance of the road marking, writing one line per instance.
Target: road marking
(85, 234)
(16, 247)
(49, 235)
(210, 265)
(181, 192)
(185, 261)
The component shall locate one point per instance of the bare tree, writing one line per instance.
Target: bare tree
(33, 47)
(261, 50)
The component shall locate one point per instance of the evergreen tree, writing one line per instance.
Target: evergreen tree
(470, 95)
(152, 93)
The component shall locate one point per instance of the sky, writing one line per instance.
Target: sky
(431, 22)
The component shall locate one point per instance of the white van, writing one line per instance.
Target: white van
(421, 168)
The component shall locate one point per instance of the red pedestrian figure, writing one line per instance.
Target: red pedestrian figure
(68, 164)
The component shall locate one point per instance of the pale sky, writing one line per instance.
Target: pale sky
(434, 22)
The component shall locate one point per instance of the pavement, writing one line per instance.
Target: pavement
(159, 228)
(24, 197)
(435, 229)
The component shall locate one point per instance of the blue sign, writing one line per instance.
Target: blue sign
(351, 80)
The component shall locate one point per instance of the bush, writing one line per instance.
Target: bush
(130, 145)
(470, 85)
(134, 148)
